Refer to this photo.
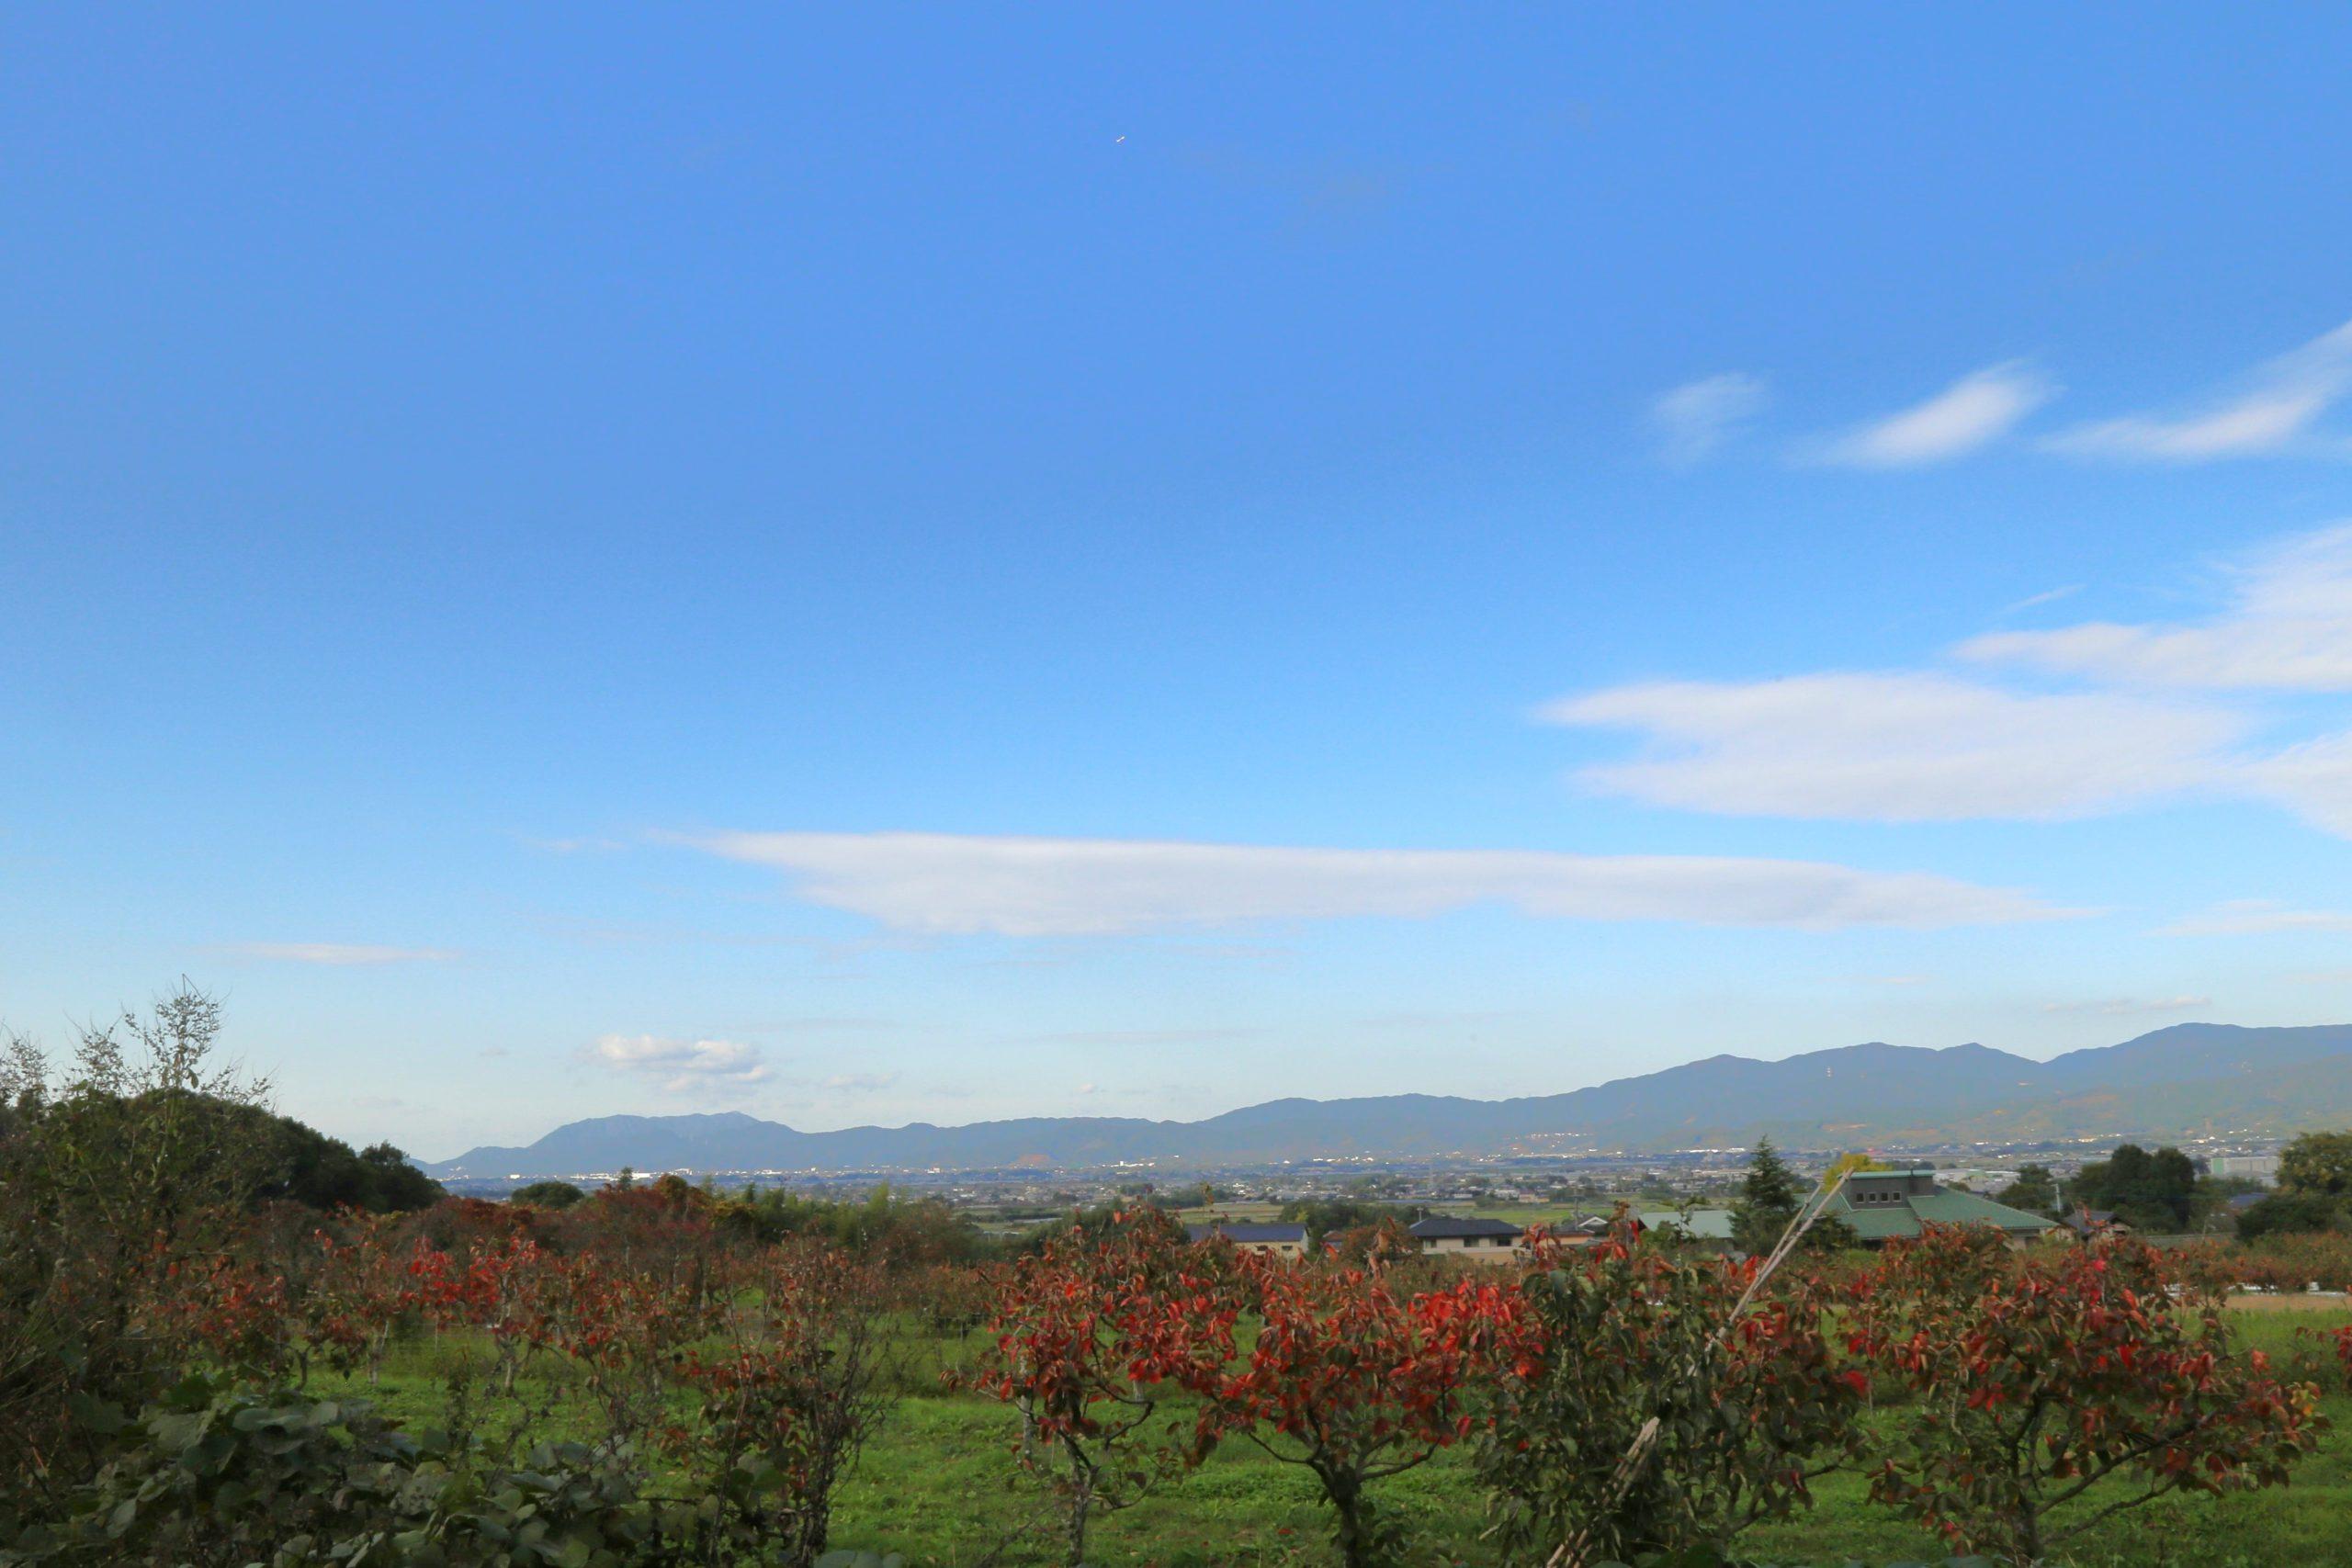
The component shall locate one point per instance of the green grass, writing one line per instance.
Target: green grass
(939, 1484)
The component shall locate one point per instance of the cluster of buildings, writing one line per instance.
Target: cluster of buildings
(1445, 1236)
(1879, 1206)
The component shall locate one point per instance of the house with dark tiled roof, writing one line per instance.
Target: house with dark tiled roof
(1897, 1205)
(1281, 1239)
(2089, 1223)
(1476, 1240)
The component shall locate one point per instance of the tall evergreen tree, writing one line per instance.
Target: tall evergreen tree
(1771, 1185)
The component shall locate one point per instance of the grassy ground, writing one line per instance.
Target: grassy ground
(940, 1485)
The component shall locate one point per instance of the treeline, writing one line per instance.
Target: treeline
(2161, 1191)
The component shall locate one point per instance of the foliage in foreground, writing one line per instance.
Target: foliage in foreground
(2036, 1379)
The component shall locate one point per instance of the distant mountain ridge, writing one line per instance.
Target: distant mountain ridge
(2174, 1081)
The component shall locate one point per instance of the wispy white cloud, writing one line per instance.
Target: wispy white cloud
(2167, 718)
(335, 954)
(577, 846)
(1972, 411)
(861, 1083)
(2035, 601)
(681, 1067)
(2287, 627)
(1897, 747)
(933, 882)
(2124, 1007)
(2311, 778)
(2259, 917)
(1141, 1037)
(2274, 413)
(1698, 417)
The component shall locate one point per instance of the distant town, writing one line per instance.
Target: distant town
(1525, 1188)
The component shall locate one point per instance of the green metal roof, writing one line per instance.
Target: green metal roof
(1893, 1222)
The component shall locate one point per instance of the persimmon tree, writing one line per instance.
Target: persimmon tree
(355, 1296)
(789, 1391)
(1749, 1402)
(1091, 1336)
(1355, 1382)
(625, 1330)
(2060, 1388)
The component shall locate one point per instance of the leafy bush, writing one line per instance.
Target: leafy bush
(214, 1476)
(1749, 1405)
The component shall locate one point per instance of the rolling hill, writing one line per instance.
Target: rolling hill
(2189, 1077)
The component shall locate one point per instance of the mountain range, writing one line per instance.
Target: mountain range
(2190, 1078)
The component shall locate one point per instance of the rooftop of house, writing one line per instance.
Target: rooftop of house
(1886, 1205)
(1245, 1236)
(1444, 1228)
(1699, 1225)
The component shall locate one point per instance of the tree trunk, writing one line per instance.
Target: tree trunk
(1081, 1500)
(1359, 1545)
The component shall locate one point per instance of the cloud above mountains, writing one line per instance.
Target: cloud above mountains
(680, 1067)
(1028, 887)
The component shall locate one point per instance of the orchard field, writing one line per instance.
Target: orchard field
(935, 1485)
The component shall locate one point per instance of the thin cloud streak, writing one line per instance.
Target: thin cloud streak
(2259, 917)
(1971, 413)
(2127, 1007)
(2273, 414)
(2288, 627)
(1895, 748)
(1031, 887)
(335, 954)
(1699, 417)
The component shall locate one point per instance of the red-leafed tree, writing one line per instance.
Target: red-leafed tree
(788, 1390)
(1091, 1335)
(626, 1330)
(508, 1288)
(233, 1310)
(355, 1296)
(1356, 1383)
(2060, 1388)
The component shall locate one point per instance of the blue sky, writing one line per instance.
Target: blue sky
(885, 564)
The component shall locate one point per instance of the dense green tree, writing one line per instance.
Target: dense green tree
(563, 1195)
(2035, 1191)
(2147, 1192)
(2291, 1214)
(2318, 1162)
(141, 1156)
(1769, 1184)
(1329, 1216)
